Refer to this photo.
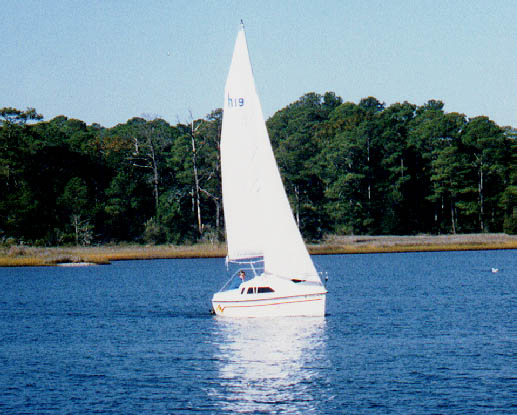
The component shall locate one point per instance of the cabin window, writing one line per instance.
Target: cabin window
(250, 290)
(265, 290)
(242, 291)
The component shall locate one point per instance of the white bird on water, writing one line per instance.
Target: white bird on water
(495, 270)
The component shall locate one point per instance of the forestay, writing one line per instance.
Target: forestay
(259, 220)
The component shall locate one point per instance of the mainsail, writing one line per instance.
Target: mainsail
(259, 220)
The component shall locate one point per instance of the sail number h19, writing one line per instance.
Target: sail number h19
(235, 102)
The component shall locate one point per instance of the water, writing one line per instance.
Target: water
(413, 333)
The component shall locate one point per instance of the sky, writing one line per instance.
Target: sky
(108, 61)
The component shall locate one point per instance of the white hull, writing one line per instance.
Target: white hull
(288, 299)
(303, 305)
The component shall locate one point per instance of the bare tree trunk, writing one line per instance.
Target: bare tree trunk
(368, 166)
(481, 199)
(196, 182)
(145, 156)
(192, 193)
(156, 180)
(453, 217)
(76, 221)
(217, 215)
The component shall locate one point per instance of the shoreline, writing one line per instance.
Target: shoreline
(21, 256)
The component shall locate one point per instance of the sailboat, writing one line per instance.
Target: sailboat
(261, 233)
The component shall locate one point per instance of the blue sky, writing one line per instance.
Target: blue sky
(107, 61)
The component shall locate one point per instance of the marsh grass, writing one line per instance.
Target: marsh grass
(419, 243)
(19, 256)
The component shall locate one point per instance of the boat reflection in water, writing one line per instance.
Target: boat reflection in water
(269, 365)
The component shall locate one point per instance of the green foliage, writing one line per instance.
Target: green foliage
(154, 232)
(74, 198)
(348, 168)
(294, 134)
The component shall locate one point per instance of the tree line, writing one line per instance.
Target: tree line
(348, 168)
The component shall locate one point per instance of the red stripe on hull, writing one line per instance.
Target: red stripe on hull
(264, 305)
(268, 299)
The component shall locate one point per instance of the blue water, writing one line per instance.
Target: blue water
(418, 333)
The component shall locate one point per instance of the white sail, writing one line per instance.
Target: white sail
(259, 220)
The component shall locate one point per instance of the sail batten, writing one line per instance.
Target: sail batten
(259, 220)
